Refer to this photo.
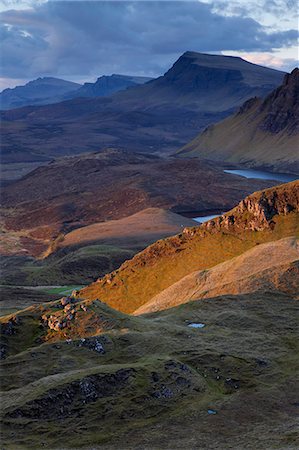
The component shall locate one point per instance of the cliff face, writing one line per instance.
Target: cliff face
(262, 217)
(282, 107)
(261, 134)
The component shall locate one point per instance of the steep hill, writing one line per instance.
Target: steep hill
(273, 266)
(37, 92)
(264, 133)
(161, 115)
(262, 217)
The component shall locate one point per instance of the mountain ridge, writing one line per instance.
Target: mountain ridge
(36, 92)
(22, 96)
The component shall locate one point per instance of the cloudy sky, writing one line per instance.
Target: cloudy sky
(81, 40)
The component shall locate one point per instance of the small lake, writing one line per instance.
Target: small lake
(260, 174)
(203, 219)
(251, 173)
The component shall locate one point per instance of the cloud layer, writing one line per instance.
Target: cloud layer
(85, 39)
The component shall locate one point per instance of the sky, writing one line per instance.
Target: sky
(82, 40)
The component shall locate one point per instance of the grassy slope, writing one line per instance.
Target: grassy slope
(267, 267)
(237, 139)
(169, 260)
(242, 364)
(16, 298)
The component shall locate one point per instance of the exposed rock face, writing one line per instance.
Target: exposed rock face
(61, 319)
(170, 382)
(256, 211)
(282, 106)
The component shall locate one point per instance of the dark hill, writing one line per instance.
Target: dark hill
(107, 85)
(37, 92)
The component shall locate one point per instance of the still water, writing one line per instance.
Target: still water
(250, 173)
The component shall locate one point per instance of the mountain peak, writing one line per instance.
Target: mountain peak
(206, 56)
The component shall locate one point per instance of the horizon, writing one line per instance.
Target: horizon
(133, 74)
(81, 41)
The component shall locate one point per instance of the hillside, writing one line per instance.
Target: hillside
(76, 367)
(83, 254)
(273, 266)
(159, 116)
(262, 217)
(140, 227)
(83, 372)
(264, 133)
(74, 192)
(36, 92)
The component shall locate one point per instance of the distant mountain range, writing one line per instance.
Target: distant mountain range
(48, 90)
(159, 116)
(37, 92)
(263, 133)
(107, 85)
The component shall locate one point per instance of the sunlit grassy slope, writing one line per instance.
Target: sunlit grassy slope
(169, 260)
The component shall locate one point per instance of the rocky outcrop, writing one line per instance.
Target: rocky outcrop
(61, 401)
(61, 319)
(256, 211)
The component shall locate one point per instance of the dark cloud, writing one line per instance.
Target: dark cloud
(82, 38)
